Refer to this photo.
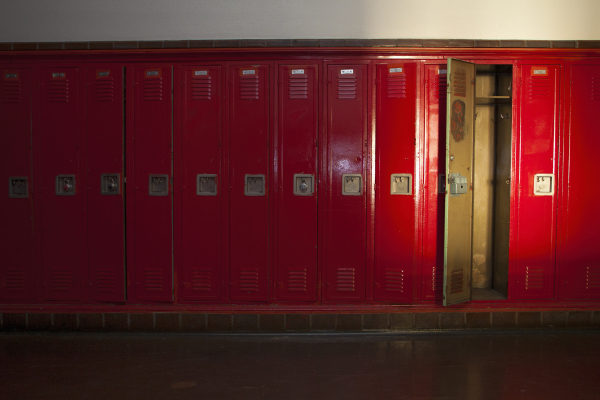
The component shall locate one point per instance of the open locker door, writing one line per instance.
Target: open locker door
(458, 224)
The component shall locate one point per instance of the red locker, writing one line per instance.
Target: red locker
(345, 244)
(202, 186)
(151, 184)
(63, 193)
(16, 218)
(537, 200)
(104, 129)
(395, 189)
(296, 187)
(435, 169)
(249, 179)
(580, 269)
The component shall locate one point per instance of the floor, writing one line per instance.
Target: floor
(461, 365)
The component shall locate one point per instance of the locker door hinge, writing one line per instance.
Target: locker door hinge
(316, 142)
(267, 143)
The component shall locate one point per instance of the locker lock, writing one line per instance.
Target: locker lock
(109, 184)
(457, 184)
(303, 185)
(65, 185)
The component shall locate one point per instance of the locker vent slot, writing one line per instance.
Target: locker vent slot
(59, 91)
(298, 87)
(592, 277)
(153, 281)
(459, 83)
(296, 281)
(11, 92)
(201, 280)
(346, 88)
(396, 87)
(15, 281)
(437, 280)
(249, 281)
(534, 278)
(61, 280)
(249, 87)
(457, 280)
(539, 88)
(345, 280)
(595, 88)
(394, 281)
(105, 281)
(441, 88)
(153, 89)
(201, 87)
(105, 90)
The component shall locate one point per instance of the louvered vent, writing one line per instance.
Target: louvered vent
(105, 89)
(396, 86)
(394, 281)
(105, 281)
(61, 280)
(459, 83)
(457, 280)
(249, 85)
(153, 89)
(437, 280)
(201, 280)
(347, 86)
(539, 88)
(249, 280)
(153, 281)
(11, 91)
(595, 89)
(15, 281)
(201, 86)
(534, 278)
(58, 90)
(345, 279)
(592, 277)
(298, 86)
(296, 281)
(440, 88)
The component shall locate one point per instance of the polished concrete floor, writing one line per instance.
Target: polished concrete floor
(486, 365)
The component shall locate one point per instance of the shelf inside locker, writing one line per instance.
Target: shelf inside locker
(492, 100)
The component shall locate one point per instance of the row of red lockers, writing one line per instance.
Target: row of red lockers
(270, 182)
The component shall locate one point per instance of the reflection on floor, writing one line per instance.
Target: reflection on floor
(486, 294)
(491, 365)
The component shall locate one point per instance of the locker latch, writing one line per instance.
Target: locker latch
(543, 184)
(254, 185)
(206, 184)
(352, 184)
(457, 184)
(65, 185)
(401, 184)
(158, 185)
(303, 185)
(18, 187)
(109, 184)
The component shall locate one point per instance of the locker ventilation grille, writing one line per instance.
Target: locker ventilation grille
(457, 280)
(346, 88)
(153, 281)
(396, 87)
(105, 281)
(249, 87)
(441, 89)
(105, 90)
(298, 87)
(459, 83)
(249, 281)
(15, 281)
(592, 277)
(11, 92)
(394, 281)
(595, 88)
(534, 278)
(201, 87)
(345, 280)
(296, 281)
(201, 281)
(153, 89)
(539, 88)
(437, 280)
(59, 91)
(61, 280)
